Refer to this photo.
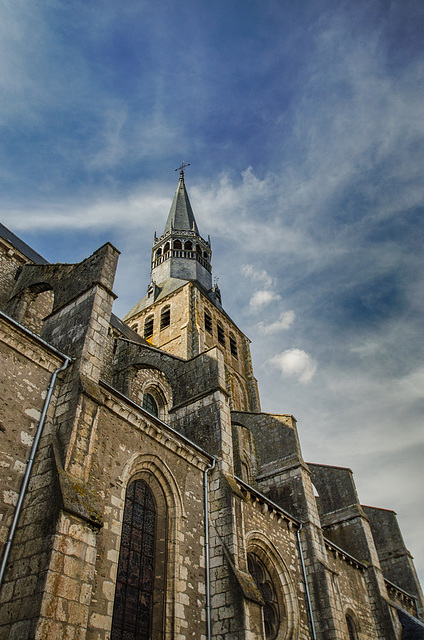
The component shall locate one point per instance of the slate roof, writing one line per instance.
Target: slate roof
(412, 629)
(181, 214)
(21, 246)
(126, 331)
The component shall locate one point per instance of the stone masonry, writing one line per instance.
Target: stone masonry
(236, 537)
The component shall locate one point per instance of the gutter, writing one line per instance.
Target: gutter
(207, 553)
(308, 597)
(34, 336)
(299, 528)
(28, 469)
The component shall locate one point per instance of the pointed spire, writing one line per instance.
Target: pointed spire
(181, 215)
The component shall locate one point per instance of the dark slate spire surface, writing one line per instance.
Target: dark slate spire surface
(181, 215)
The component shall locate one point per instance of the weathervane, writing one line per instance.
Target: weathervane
(181, 169)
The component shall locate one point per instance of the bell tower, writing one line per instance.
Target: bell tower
(181, 252)
(182, 311)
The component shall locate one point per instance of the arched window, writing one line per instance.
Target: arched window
(148, 327)
(233, 346)
(178, 244)
(188, 246)
(270, 610)
(351, 627)
(166, 247)
(138, 607)
(245, 471)
(208, 322)
(198, 249)
(150, 404)
(158, 253)
(221, 334)
(165, 317)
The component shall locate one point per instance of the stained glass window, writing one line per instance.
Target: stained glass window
(263, 581)
(132, 612)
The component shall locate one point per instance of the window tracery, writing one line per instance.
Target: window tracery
(133, 606)
(262, 579)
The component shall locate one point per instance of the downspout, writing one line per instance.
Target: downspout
(28, 469)
(207, 559)
(308, 597)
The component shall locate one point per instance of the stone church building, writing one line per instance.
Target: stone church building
(144, 493)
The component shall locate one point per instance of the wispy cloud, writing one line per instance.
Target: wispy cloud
(257, 275)
(284, 322)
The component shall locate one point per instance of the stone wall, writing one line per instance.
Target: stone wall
(11, 262)
(187, 337)
(396, 561)
(25, 375)
(129, 445)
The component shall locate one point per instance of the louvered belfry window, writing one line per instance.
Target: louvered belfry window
(133, 607)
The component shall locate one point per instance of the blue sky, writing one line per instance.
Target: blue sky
(303, 124)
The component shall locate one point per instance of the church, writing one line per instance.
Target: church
(145, 493)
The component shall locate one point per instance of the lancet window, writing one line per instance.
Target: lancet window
(150, 404)
(208, 322)
(138, 612)
(148, 327)
(221, 335)
(351, 627)
(165, 317)
(270, 610)
(233, 346)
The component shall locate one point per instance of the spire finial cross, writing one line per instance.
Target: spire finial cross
(181, 169)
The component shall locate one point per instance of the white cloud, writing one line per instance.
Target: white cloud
(262, 298)
(257, 275)
(296, 363)
(285, 321)
(140, 208)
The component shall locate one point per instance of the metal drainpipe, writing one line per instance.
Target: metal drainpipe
(207, 560)
(308, 597)
(30, 462)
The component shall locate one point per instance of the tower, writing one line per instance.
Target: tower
(182, 311)
(181, 252)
